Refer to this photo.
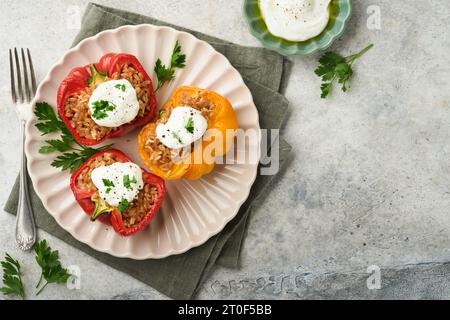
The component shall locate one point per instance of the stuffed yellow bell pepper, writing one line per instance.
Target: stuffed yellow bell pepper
(194, 127)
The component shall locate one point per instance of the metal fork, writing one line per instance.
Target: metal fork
(23, 89)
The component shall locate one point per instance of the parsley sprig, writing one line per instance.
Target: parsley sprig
(164, 74)
(336, 67)
(73, 154)
(51, 271)
(51, 268)
(12, 281)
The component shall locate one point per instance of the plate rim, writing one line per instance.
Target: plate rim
(44, 199)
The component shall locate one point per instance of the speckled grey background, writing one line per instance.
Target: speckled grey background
(369, 180)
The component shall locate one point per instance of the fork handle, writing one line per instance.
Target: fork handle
(25, 227)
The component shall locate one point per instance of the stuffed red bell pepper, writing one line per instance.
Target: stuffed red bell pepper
(106, 99)
(114, 190)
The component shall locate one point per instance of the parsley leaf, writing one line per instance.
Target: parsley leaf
(177, 60)
(61, 145)
(333, 66)
(326, 88)
(51, 268)
(48, 121)
(70, 158)
(101, 107)
(123, 205)
(190, 125)
(127, 181)
(109, 184)
(12, 281)
(73, 160)
(176, 136)
(120, 86)
(164, 74)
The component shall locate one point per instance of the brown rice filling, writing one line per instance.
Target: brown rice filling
(164, 157)
(77, 109)
(137, 209)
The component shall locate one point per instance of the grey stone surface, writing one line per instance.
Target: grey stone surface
(368, 183)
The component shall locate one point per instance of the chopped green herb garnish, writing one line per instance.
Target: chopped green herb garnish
(120, 86)
(123, 205)
(101, 107)
(190, 125)
(127, 181)
(164, 74)
(176, 136)
(109, 184)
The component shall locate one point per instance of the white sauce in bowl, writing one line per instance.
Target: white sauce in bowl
(295, 20)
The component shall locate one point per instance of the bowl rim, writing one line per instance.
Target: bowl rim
(295, 50)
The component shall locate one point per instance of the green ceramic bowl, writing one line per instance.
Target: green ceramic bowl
(340, 12)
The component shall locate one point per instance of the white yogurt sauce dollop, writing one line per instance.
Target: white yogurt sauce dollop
(114, 103)
(118, 181)
(295, 20)
(184, 126)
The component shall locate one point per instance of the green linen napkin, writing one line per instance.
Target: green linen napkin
(266, 74)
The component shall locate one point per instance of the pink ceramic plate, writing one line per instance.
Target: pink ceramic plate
(193, 211)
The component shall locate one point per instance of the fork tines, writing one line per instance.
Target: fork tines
(23, 80)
